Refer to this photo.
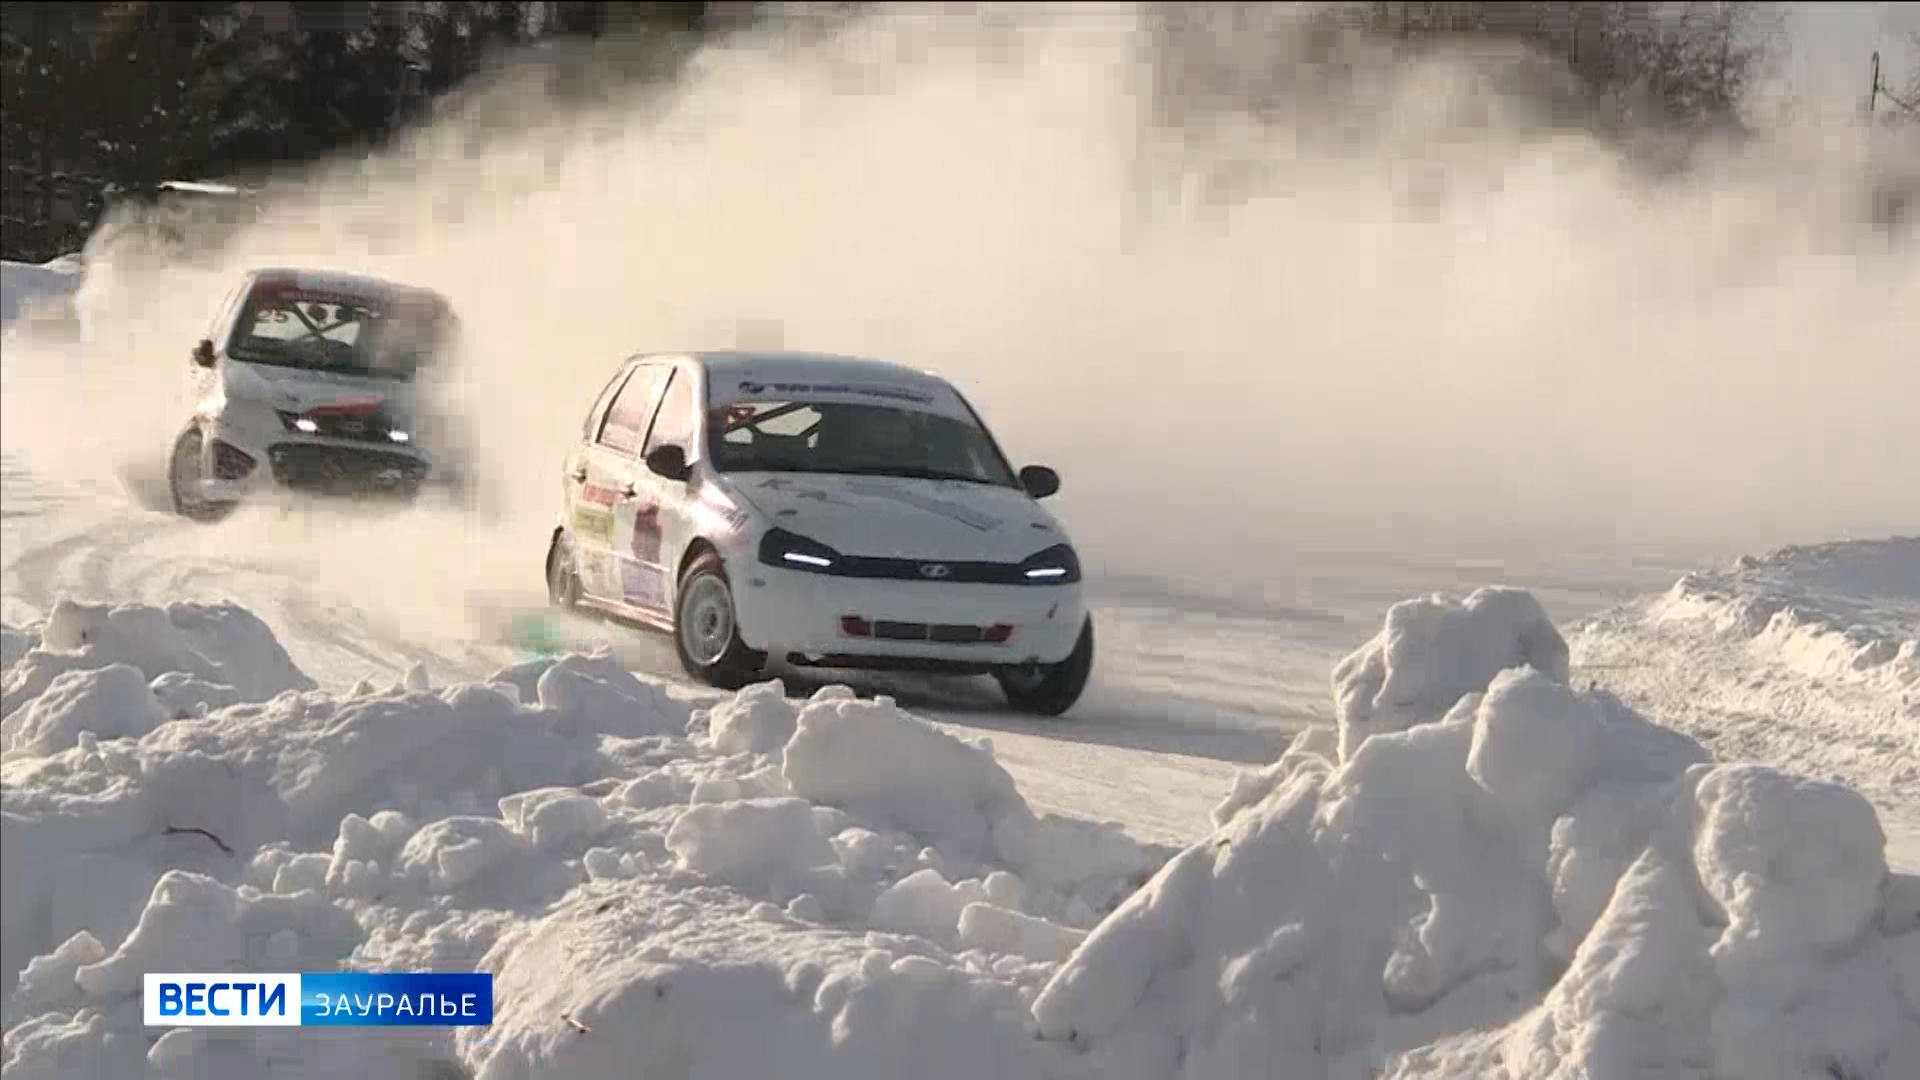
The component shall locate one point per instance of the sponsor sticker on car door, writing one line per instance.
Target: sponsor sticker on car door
(637, 547)
(593, 513)
(602, 492)
(644, 521)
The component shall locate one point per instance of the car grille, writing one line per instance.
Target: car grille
(941, 633)
(342, 470)
(956, 573)
(348, 427)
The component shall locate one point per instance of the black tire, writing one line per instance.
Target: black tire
(1051, 689)
(563, 579)
(185, 459)
(703, 600)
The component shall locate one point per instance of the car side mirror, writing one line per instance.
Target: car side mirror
(669, 461)
(1039, 481)
(203, 353)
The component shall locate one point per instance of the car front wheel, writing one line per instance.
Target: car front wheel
(183, 481)
(1051, 689)
(705, 630)
(563, 581)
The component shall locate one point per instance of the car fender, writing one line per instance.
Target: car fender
(721, 520)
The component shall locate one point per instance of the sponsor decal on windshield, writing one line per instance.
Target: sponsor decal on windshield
(892, 392)
(932, 397)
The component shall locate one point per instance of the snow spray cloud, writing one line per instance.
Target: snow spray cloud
(1444, 323)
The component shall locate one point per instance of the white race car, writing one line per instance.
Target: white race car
(307, 382)
(821, 511)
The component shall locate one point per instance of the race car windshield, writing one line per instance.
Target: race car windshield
(340, 334)
(853, 439)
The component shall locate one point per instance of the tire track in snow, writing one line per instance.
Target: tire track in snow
(91, 548)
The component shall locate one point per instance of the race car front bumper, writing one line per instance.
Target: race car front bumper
(912, 625)
(345, 471)
(236, 466)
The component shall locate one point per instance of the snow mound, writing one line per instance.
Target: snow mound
(1808, 658)
(193, 656)
(1493, 875)
(1831, 610)
(856, 886)
(1432, 651)
(1508, 878)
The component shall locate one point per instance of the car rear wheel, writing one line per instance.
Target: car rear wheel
(184, 479)
(705, 632)
(1051, 689)
(563, 580)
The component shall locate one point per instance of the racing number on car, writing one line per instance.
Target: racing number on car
(646, 534)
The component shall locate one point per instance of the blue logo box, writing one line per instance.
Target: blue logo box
(408, 999)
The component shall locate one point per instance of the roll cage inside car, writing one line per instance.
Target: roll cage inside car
(376, 312)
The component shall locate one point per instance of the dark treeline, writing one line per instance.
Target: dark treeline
(101, 97)
(105, 97)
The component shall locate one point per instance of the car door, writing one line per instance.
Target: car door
(650, 527)
(603, 477)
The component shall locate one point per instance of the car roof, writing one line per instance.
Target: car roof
(785, 366)
(335, 281)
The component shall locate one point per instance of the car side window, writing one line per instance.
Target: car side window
(227, 310)
(591, 425)
(627, 418)
(674, 424)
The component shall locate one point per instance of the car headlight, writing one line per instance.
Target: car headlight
(1057, 565)
(795, 552)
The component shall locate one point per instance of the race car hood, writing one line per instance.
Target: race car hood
(299, 391)
(902, 518)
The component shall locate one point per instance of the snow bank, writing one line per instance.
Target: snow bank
(1485, 873)
(1846, 610)
(1808, 658)
(34, 290)
(195, 656)
(853, 885)
(1398, 902)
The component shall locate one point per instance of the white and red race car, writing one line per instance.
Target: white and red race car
(820, 511)
(308, 382)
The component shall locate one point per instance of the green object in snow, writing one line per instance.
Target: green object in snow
(536, 634)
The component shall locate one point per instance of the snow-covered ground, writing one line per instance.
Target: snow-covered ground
(1478, 856)
(1808, 658)
(1478, 871)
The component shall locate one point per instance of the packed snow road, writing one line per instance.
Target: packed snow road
(1187, 687)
